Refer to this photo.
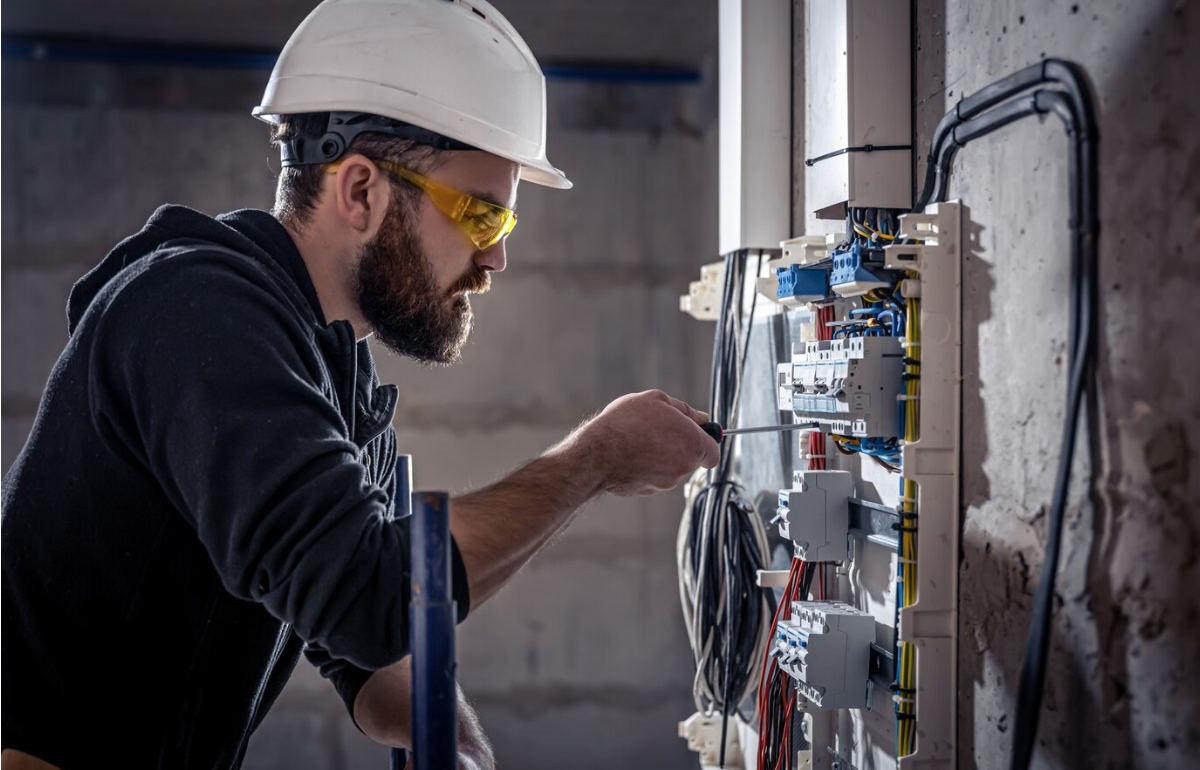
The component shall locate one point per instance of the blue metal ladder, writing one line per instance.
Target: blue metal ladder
(432, 615)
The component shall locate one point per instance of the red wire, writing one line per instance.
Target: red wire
(782, 611)
(816, 439)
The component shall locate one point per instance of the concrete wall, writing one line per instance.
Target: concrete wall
(582, 661)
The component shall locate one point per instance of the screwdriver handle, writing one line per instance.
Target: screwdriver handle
(714, 430)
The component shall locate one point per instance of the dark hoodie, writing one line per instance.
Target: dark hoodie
(207, 487)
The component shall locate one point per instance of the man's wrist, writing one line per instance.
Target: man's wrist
(582, 458)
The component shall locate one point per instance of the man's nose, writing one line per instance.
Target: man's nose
(492, 258)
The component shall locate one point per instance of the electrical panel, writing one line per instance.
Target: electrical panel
(864, 331)
(865, 630)
(826, 648)
(845, 386)
(815, 514)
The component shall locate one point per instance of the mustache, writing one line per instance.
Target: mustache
(476, 281)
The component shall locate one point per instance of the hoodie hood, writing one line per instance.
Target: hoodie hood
(248, 231)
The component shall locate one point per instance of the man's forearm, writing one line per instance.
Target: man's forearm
(498, 529)
(383, 711)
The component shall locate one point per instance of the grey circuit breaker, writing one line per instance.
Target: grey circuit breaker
(826, 649)
(815, 514)
(846, 386)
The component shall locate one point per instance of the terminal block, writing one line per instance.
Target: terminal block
(826, 648)
(859, 269)
(846, 386)
(798, 285)
(815, 514)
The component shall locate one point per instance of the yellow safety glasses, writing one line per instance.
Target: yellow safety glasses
(486, 224)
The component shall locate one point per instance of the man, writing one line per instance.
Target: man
(207, 488)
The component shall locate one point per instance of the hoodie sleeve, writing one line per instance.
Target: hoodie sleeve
(206, 375)
(347, 678)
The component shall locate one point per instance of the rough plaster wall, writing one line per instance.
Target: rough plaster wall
(1123, 664)
(582, 661)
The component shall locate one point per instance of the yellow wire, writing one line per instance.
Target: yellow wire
(906, 706)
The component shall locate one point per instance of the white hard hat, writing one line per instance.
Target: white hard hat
(451, 67)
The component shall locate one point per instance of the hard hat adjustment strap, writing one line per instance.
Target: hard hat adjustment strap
(342, 129)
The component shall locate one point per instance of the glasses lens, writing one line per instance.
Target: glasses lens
(487, 224)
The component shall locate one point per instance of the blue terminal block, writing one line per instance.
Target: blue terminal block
(799, 284)
(860, 269)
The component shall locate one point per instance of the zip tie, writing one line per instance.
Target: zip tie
(905, 397)
(902, 560)
(910, 344)
(904, 499)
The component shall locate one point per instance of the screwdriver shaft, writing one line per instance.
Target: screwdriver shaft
(768, 429)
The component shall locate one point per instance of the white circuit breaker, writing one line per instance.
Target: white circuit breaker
(826, 649)
(815, 514)
(846, 386)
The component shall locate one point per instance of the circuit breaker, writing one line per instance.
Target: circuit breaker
(815, 514)
(826, 649)
(846, 386)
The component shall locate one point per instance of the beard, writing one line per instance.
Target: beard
(400, 298)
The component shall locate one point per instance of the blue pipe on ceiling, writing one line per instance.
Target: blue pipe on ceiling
(17, 48)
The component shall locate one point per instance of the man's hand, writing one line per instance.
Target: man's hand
(383, 711)
(647, 442)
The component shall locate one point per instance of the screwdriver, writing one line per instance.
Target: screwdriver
(718, 433)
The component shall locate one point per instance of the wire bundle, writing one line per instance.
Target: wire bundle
(722, 544)
(905, 685)
(722, 541)
(816, 439)
(776, 698)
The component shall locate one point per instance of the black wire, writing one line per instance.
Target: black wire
(721, 513)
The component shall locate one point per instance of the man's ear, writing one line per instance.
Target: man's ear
(360, 192)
